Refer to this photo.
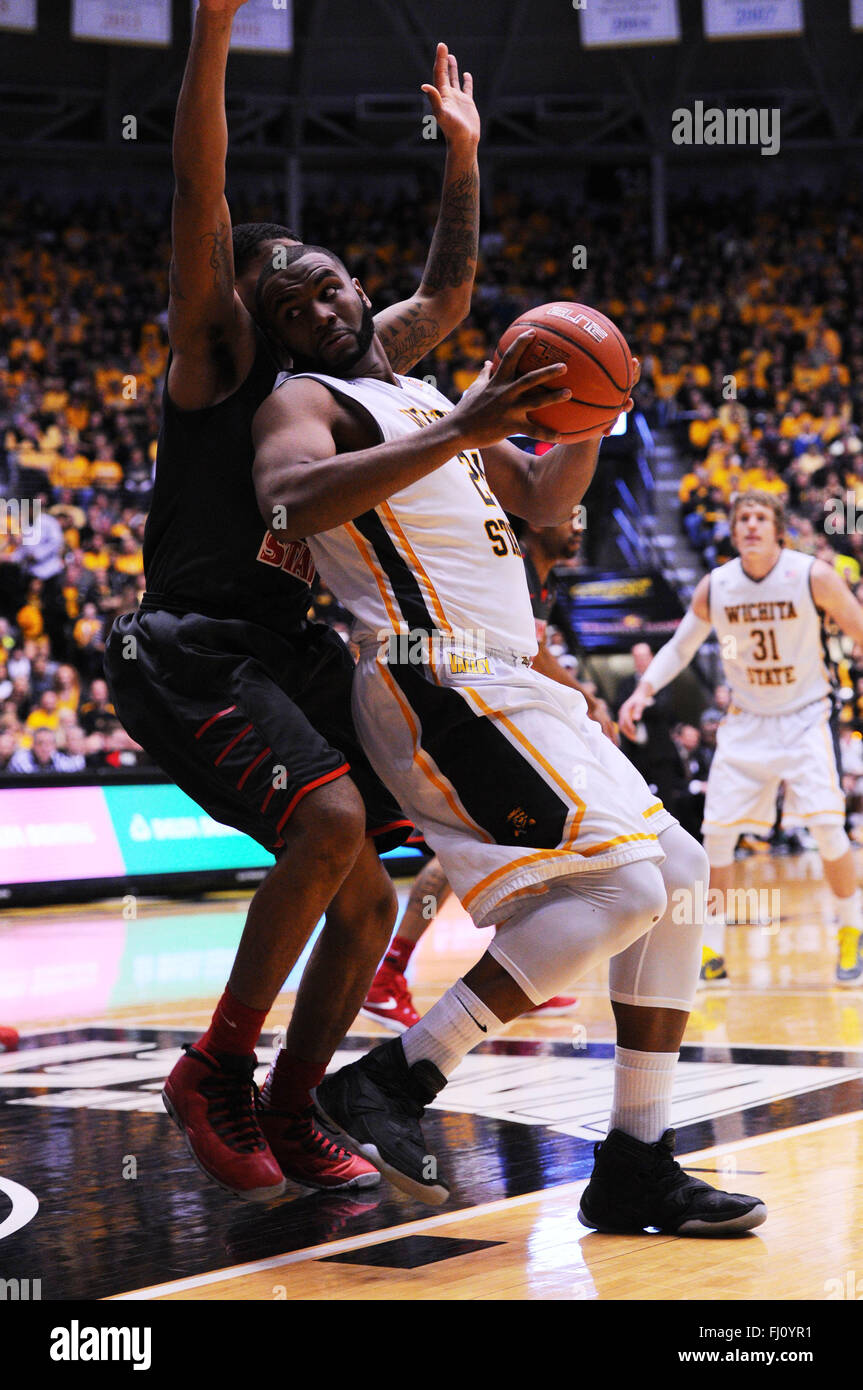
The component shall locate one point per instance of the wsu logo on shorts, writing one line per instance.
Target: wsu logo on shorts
(520, 821)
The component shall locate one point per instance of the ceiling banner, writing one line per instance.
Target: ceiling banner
(123, 21)
(619, 23)
(746, 19)
(18, 14)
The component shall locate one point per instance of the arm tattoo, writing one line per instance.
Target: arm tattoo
(452, 258)
(409, 338)
(221, 257)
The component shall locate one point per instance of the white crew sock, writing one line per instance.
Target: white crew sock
(643, 1082)
(848, 910)
(452, 1026)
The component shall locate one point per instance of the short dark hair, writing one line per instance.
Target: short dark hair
(248, 237)
(286, 256)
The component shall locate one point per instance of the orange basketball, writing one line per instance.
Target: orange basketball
(599, 365)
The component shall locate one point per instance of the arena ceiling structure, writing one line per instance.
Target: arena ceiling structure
(350, 88)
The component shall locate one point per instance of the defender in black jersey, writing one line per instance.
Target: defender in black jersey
(221, 677)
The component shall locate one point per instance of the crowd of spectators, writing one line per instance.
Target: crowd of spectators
(760, 372)
(750, 333)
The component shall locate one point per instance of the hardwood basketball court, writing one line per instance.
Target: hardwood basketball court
(769, 1100)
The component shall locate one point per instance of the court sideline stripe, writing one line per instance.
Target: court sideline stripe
(337, 1247)
(359, 1242)
(168, 1023)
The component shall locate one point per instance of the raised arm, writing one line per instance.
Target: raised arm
(410, 329)
(210, 332)
(671, 659)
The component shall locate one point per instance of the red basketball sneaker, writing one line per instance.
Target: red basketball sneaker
(559, 1004)
(389, 1000)
(9, 1039)
(310, 1157)
(211, 1100)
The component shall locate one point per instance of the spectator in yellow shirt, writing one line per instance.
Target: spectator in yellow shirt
(796, 420)
(691, 482)
(131, 559)
(771, 481)
(734, 420)
(68, 684)
(89, 639)
(105, 471)
(829, 426)
(71, 469)
(703, 427)
(29, 617)
(727, 476)
(666, 378)
(46, 715)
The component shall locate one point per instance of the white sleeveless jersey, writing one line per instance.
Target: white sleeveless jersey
(770, 635)
(438, 556)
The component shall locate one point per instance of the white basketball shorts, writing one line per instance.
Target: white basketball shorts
(510, 782)
(755, 752)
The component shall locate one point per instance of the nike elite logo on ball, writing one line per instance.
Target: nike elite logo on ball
(581, 321)
(599, 366)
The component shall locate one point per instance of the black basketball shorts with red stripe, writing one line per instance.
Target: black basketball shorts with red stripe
(245, 720)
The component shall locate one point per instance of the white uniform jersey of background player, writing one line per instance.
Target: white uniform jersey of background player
(766, 608)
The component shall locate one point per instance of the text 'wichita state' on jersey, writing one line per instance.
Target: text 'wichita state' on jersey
(440, 555)
(770, 635)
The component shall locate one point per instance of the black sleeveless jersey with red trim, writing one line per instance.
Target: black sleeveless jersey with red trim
(206, 548)
(542, 599)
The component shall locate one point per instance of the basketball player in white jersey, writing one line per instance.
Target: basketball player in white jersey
(766, 608)
(541, 824)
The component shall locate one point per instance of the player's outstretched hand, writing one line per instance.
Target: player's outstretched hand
(498, 402)
(451, 100)
(631, 711)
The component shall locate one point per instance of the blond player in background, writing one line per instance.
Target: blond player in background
(767, 609)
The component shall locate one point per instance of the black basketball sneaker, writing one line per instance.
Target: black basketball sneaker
(375, 1105)
(636, 1185)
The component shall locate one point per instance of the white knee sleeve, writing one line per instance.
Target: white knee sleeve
(831, 840)
(719, 847)
(548, 944)
(660, 969)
